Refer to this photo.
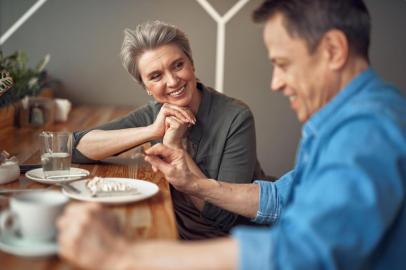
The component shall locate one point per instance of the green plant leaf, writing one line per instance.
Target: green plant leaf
(25, 80)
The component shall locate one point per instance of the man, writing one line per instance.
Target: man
(343, 204)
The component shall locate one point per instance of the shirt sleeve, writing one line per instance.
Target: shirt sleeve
(237, 165)
(342, 209)
(143, 116)
(272, 198)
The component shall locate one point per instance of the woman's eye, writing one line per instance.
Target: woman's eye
(155, 77)
(179, 65)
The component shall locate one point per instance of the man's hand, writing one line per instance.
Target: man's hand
(88, 236)
(172, 163)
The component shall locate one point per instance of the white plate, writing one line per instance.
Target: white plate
(38, 176)
(145, 190)
(21, 247)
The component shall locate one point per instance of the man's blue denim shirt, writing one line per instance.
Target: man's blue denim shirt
(343, 204)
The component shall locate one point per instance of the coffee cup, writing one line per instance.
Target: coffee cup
(32, 215)
(56, 150)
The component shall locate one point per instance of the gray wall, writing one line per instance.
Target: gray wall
(84, 39)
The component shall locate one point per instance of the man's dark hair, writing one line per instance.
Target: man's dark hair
(310, 19)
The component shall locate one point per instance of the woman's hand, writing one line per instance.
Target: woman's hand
(183, 114)
(175, 131)
(88, 236)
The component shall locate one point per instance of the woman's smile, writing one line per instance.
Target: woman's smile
(179, 92)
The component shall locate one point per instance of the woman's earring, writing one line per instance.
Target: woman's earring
(149, 93)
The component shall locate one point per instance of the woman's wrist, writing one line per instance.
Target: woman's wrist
(153, 132)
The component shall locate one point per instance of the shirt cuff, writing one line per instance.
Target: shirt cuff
(269, 205)
(255, 248)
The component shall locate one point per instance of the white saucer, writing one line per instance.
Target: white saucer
(144, 189)
(21, 247)
(38, 176)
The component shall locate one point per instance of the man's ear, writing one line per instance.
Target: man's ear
(335, 48)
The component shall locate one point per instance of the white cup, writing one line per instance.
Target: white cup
(32, 215)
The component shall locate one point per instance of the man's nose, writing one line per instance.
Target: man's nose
(277, 82)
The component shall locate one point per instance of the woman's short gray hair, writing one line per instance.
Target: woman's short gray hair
(147, 36)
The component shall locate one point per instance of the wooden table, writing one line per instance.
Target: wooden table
(148, 219)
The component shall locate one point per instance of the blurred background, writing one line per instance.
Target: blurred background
(84, 40)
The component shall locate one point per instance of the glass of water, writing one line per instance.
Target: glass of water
(56, 151)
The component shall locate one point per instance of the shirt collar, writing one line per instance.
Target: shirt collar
(354, 87)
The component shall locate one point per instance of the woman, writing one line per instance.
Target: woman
(217, 131)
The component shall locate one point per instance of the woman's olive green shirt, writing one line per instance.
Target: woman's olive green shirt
(223, 145)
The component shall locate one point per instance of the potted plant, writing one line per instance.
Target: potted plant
(18, 81)
(6, 81)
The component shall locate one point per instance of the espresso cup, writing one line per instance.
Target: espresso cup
(32, 215)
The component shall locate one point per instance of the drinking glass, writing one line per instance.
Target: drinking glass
(56, 151)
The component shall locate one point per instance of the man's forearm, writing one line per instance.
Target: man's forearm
(197, 201)
(165, 255)
(242, 199)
